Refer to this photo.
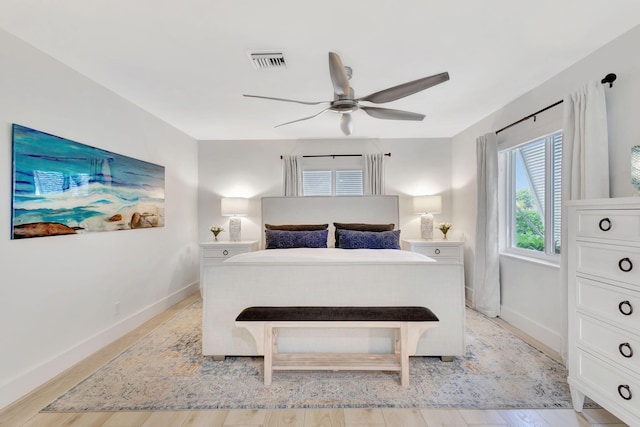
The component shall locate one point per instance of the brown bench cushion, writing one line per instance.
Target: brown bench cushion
(338, 314)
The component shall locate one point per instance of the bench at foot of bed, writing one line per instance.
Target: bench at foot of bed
(409, 324)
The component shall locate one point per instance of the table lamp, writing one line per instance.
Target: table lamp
(427, 206)
(234, 207)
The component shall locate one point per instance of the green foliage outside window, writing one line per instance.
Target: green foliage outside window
(529, 225)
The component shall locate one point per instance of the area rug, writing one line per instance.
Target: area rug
(165, 370)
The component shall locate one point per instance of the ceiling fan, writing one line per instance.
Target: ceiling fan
(345, 103)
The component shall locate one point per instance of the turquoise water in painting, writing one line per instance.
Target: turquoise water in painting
(62, 181)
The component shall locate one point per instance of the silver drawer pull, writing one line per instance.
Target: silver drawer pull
(625, 265)
(625, 392)
(437, 251)
(225, 252)
(625, 308)
(625, 350)
(605, 224)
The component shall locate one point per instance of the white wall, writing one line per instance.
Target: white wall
(530, 290)
(58, 294)
(254, 169)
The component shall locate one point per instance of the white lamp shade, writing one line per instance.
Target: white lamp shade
(234, 206)
(427, 204)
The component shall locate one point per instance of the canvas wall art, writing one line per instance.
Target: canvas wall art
(65, 187)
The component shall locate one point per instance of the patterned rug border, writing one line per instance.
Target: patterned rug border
(251, 369)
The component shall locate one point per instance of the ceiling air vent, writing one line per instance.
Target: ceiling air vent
(267, 60)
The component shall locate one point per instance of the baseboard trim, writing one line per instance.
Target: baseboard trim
(546, 336)
(19, 386)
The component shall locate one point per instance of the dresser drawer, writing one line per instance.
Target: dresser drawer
(439, 252)
(609, 224)
(615, 344)
(223, 252)
(612, 383)
(446, 251)
(608, 303)
(612, 262)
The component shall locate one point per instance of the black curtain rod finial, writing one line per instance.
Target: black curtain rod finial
(609, 78)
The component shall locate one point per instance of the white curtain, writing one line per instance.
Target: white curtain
(486, 286)
(373, 174)
(291, 176)
(585, 165)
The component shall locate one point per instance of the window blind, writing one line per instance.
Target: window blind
(349, 182)
(316, 183)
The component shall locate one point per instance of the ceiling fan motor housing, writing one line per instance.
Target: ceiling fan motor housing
(344, 106)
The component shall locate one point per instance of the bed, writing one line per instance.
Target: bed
(331, 277)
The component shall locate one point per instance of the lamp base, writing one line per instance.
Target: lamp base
(234, 229)
(426, 226)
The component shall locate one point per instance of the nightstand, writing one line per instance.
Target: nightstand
(443, 251)
(214, 253)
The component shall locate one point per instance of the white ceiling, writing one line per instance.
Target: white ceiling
(186, 61)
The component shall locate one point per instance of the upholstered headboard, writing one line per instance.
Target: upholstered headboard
(327, 210)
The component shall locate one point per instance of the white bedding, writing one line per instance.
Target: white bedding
(333, 255)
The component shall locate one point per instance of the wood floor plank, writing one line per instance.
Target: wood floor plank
(285, 418)
(45, 420)
(563, 418)
(600, 416)
(246, 417)
(363, 416)
(443, 418)
(324, 418)
(523, 418)
(166, 419)
(127, 419)
(484, 417)
(86, 419)
(205, 419)
(403, 417)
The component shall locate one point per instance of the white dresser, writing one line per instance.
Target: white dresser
(604, 305)
(445, 251)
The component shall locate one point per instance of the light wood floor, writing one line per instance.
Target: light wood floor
(26, 413)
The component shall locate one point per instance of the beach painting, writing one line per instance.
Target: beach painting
(65, 187)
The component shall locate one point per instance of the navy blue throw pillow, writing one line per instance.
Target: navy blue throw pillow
(352, 239)
(286, 239)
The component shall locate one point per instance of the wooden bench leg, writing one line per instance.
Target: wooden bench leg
(404, 355)
(268, 352)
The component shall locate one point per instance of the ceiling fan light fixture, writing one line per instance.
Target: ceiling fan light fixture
(346, 124)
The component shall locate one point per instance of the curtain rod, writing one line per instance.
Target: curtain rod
(609, 78)
(339, 155)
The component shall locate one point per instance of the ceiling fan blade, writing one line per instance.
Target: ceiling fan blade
(389, 114)
(339, 76)
(302, 119)
(406, 89)
(346, 124)
(288, 100)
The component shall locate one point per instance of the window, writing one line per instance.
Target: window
(348, 182)
(533, 196)
(332, 182)
(328, 176)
